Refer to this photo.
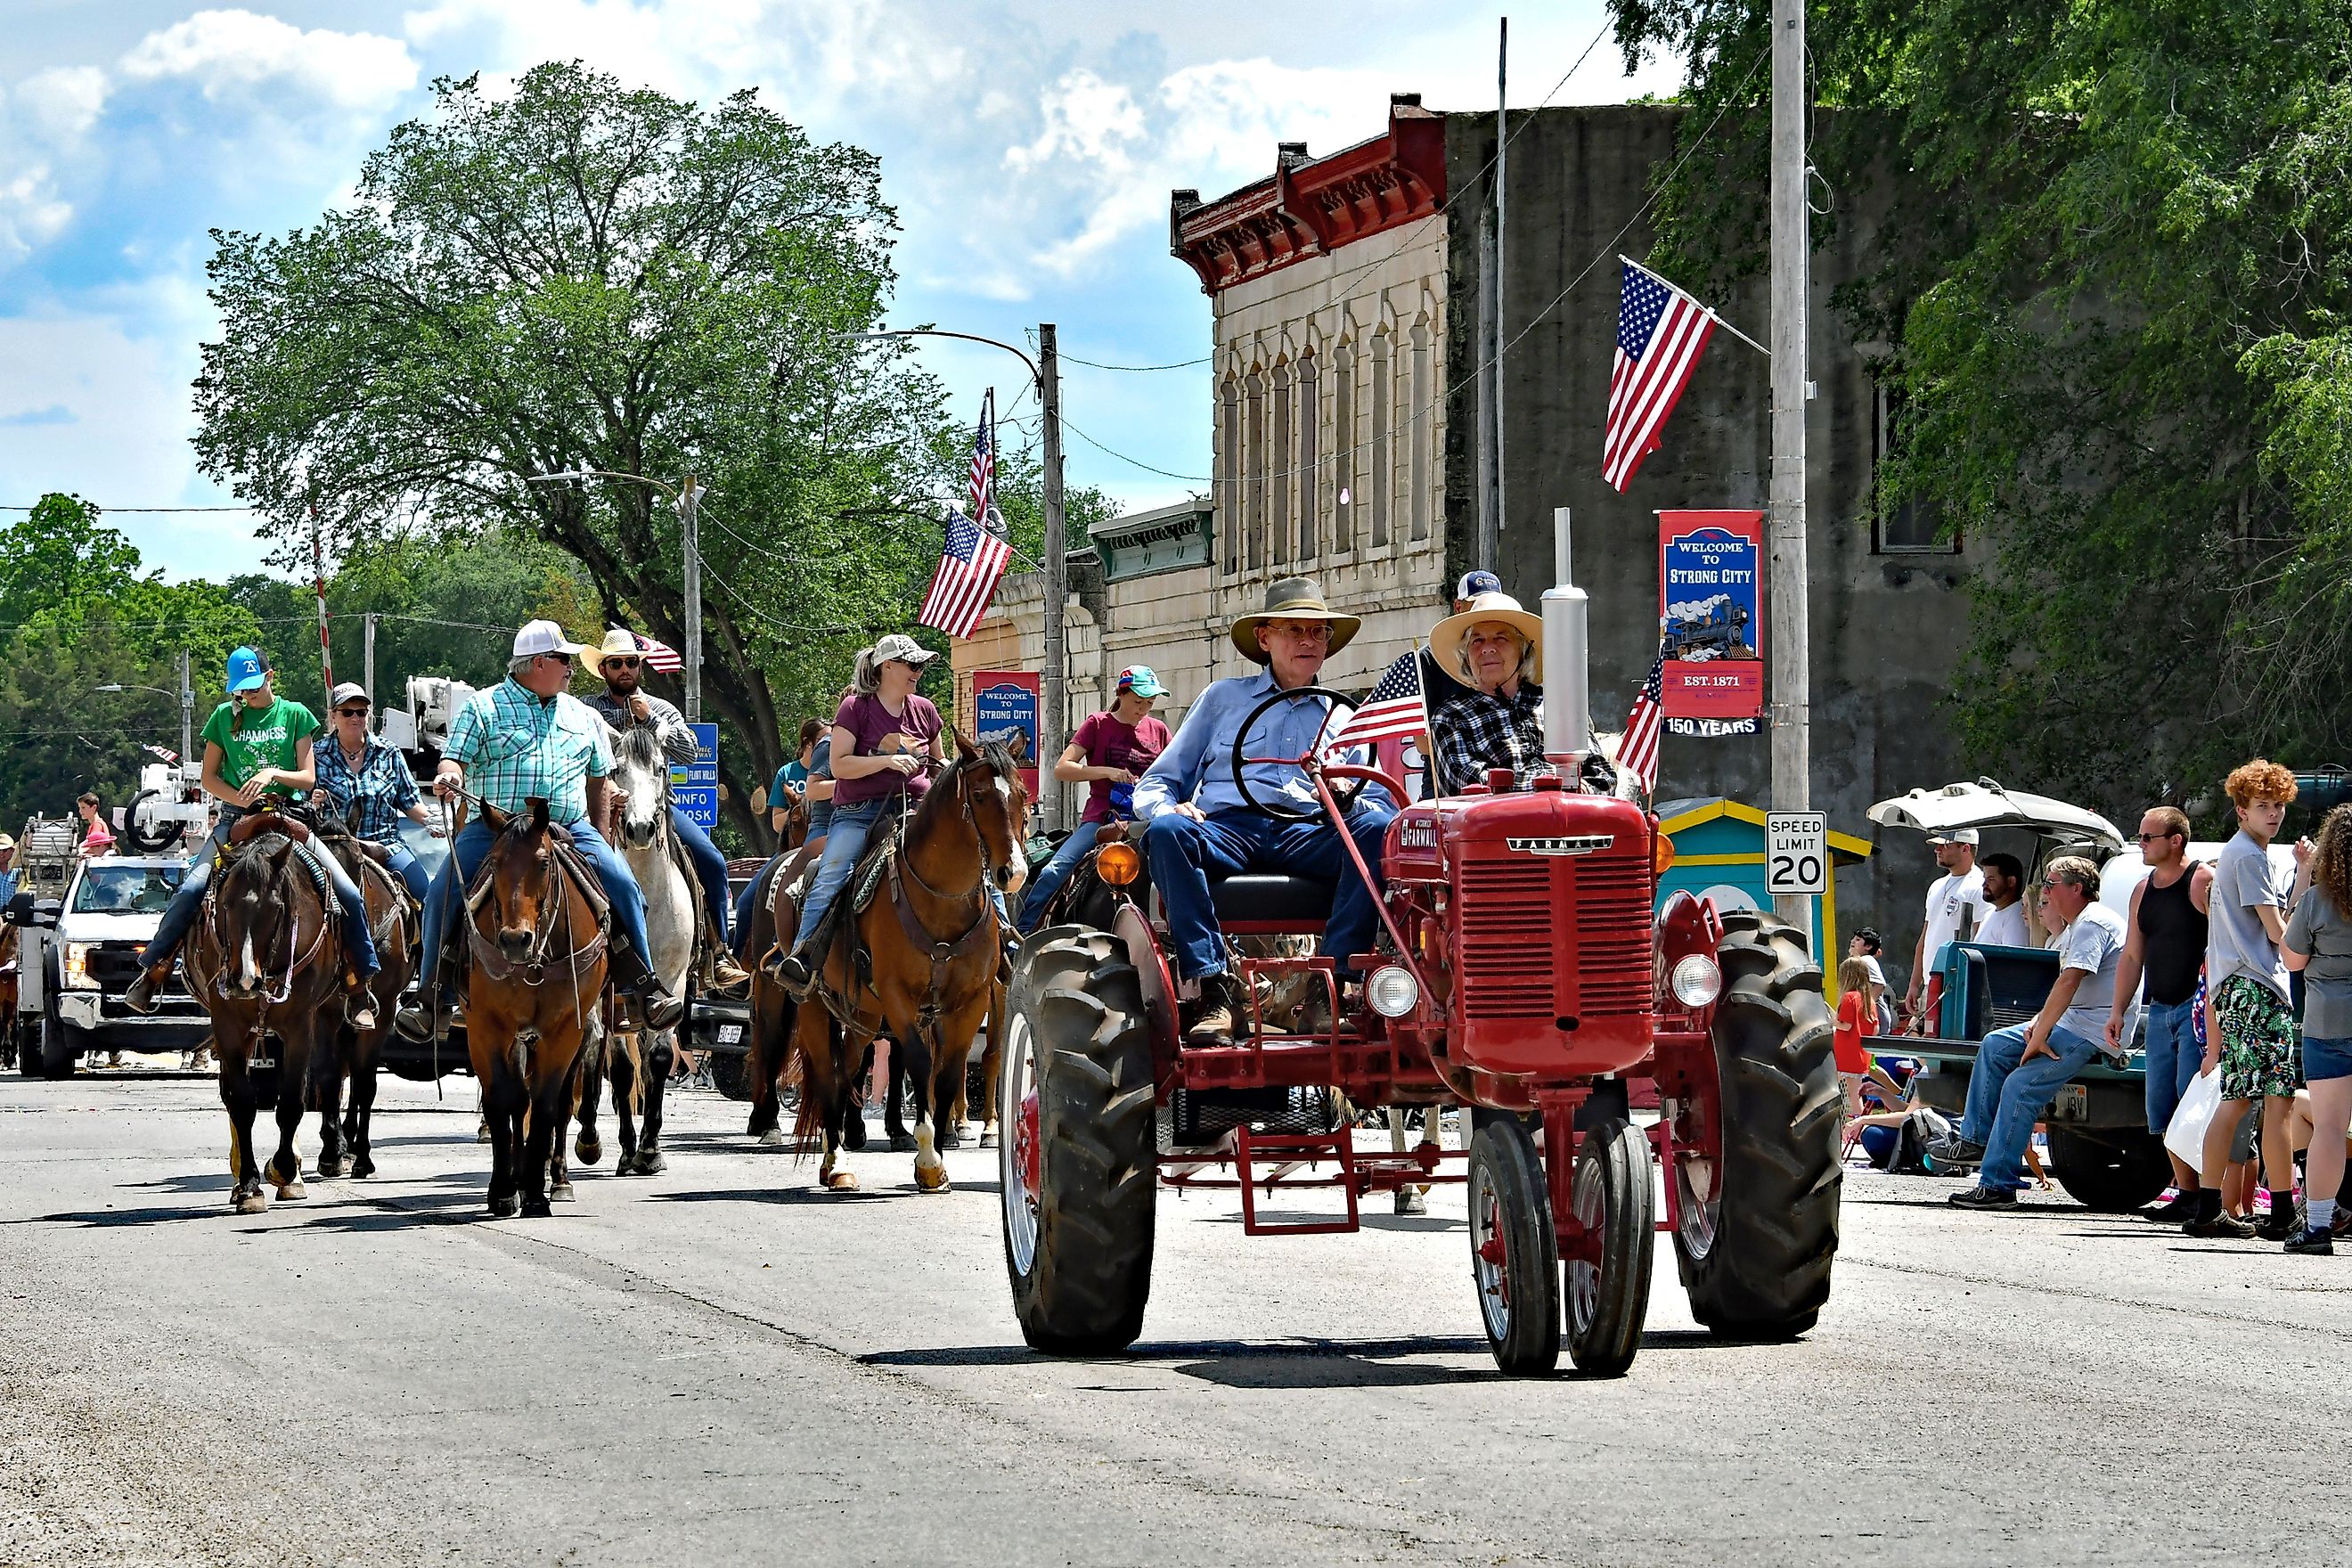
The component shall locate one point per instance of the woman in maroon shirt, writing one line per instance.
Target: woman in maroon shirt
(1110, 752)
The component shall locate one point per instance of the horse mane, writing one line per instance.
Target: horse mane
(992, 755)
(641, 747)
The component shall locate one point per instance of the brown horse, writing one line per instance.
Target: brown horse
(920, 963)
(537, 945)
(346, 1144)
(266, 961)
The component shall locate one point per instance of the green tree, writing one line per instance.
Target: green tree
(59, 734)
(2116, 276)
(577, 276)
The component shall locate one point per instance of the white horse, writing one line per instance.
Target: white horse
(645, 840)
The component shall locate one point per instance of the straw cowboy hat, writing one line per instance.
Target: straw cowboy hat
(1292, 599)
(619, 642)
(1447, 643)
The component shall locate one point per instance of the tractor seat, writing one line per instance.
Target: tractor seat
(1255, 899)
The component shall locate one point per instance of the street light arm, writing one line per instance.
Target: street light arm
(661, 485)
(1034, 373)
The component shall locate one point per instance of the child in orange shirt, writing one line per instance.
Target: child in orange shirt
(1857, 1015)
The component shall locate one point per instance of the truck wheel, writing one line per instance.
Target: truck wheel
(728, 1077)
(2112, 1175)
(1608, 1297)
(1079, 1166)
(24, 1036)
(60, 1052)
(1757, 1190)
(1514, 1250)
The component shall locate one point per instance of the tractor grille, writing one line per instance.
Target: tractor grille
(1612, 933)
(1506, 941)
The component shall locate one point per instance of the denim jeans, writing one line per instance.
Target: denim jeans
(2172, 1060)
(473, 847)
(409, 869)
(2008, 1094)
(710, 866)
(359, 941)
(1186, 855)
(1056, 872)
(845, 846)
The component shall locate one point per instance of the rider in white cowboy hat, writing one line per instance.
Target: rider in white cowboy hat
(1495, 720)
(1198, 826)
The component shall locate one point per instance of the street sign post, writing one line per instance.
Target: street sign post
(695, 784)
(1796, 854)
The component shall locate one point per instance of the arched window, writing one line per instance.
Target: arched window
(1381, 480)
(1277, 469)
(1418, 437)
(1253, 470)
(1310, 450)
(1229, 469)
(1344, 498)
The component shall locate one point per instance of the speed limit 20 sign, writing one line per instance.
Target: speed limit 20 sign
(1796, 853)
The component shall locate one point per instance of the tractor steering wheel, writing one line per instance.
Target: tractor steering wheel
(1343, 794)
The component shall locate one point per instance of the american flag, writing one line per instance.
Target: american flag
(1637, 753)
(966, 579)
(983, 461)
(659, 656)
(1661, 332)
(162, 754)
(1393, 709)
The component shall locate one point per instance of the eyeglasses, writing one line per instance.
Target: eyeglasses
(624, 661)
(561, 659)
(350, 712)
(2156, 837)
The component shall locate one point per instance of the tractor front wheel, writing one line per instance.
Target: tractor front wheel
(1609, 1287)
(1757, 1189)
(1076, 1152)
(2114, 1175)
(1514, 1250)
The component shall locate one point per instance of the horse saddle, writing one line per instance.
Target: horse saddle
(872, 867)
(568, 861)
(254, 823)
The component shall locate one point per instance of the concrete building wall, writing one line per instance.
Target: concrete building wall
(1885, 628)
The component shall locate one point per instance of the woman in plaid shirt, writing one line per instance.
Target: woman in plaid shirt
(1497, 723)
(368, 785)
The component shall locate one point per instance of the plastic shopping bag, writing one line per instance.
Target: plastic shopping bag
(2186, 1135)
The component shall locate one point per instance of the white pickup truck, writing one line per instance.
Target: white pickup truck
(79, 953)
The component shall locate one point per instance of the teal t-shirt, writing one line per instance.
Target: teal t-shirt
(252, 739)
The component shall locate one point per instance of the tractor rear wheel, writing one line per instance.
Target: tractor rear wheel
(1076, 1154)
(1514, 1250)
(2110, 1176)
(1608, 1297)
(1757, 1191)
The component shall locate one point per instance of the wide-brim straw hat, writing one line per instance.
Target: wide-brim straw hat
(1293, 599)
(1448, 642)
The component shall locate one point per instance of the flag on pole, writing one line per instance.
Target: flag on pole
(162, 754)
(659, 656)
(966, 578)
(319, 580)
(1661, 332)
(1637, 753)
(1393, 709)
(983, 460)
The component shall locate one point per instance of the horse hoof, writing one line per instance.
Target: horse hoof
(773, 1138)
(931, 1181)
(952, 1137)
(902, 1142)
(651, 1162)
(292, 1192)
(329, 1170)
(254, 1202)
(562, 1193)
(536, 1208)
(502, 1207)
(587, 1150)
(853, 1136)
(363, 1168)
(988, 1136)
(482, 1133)
(842, 1182)
(628, 1166)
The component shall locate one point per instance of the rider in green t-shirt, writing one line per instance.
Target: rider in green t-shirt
(256, 747)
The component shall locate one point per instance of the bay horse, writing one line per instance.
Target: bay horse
(346, 1141)
(266, 962)
(638, 1061)
(537, 949)
(920, 963)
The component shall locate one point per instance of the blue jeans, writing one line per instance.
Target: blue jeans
(358, 942)
(1056, 872)
(845, 845)
(2173, 1057)
(473, 847)
(710, 866)
(2008, 1094)
(409, 869)
(1186, 855)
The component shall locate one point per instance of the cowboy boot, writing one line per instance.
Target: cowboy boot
(728, 978)
(659, 1008)
(358, 1003)
(140, 997)
(1218, 1013)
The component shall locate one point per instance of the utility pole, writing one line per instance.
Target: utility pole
(187, 712)
(1054, 698)
(1791, 629)
(1491, 549)
(690, 504)
(367, 655)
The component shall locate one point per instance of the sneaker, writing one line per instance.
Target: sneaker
(2343, 1220)
(362, 1015)
(2319, 1242)
(2179, 1209)
(1954, 1152)
(2278, 1225)
(1983, 1198)
(2227, 1226)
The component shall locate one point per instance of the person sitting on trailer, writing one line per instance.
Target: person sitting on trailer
(1496, 719)
(1199, 828)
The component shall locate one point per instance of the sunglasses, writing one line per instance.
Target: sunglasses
(2156, 837)
(561, 659)
(360, 712)
(626, 662)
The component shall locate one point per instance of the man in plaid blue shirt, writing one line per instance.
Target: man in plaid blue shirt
(523, 740)
(367, 783)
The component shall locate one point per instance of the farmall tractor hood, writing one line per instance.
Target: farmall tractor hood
(1985, 804)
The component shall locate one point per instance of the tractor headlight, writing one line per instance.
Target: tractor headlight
(1117, 864)
(1696, 982)
(74, 967)
(1391, 990)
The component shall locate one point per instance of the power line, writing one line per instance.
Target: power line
(102, 509)
(1097, 364)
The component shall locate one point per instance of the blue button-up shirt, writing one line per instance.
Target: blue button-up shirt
(515, 745)
(1198, 765)
(382, 787)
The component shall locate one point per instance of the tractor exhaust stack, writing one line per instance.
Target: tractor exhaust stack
(1568, 694)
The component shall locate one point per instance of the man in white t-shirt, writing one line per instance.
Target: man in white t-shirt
(2004, 889)
(1955, 908)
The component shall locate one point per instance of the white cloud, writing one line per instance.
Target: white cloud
(60, 105)
(231, 53)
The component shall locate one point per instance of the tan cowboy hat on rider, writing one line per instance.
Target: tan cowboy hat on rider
(619, 643)
(1292, 599)
(1447, 643)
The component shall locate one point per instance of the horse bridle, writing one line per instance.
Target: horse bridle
(533, 967)
(294, 961)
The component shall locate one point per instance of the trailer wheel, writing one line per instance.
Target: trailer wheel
(1514, 1250)
(1609, 1296)
(1756, 1174)
(1078, 1161)
(2110, 1175)
(729, 1076)
(59, 1053)
(24, 1038)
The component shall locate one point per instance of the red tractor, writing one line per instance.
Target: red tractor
(1520, 976)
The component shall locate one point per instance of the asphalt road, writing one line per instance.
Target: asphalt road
(719, 1365)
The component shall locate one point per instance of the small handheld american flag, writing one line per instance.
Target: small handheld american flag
(1661, 332)
(1637, 753)
(966, 578)
(659, 656)
(1394, 708)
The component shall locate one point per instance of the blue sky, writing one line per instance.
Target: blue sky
(1029, 147)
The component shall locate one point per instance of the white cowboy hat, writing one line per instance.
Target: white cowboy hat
(1446, 643)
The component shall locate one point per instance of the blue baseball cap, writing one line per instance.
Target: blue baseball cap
(1474, 583)
(1138, 679)
(246, 671)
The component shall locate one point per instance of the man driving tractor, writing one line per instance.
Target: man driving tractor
(1200, 827)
